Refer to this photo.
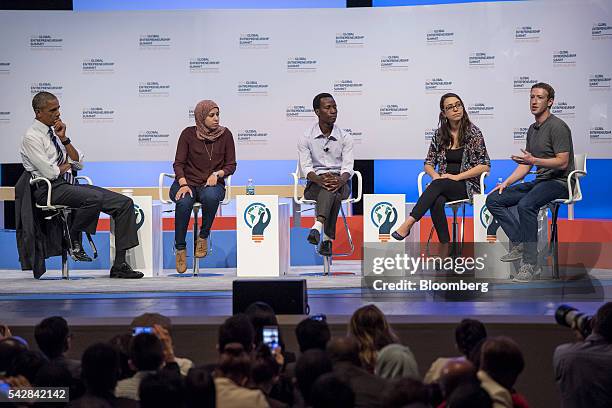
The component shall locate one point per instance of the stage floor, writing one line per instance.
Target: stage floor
(24, 300)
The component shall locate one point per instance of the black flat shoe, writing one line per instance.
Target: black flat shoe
(314, 236)
(396, 235)
(124, 271)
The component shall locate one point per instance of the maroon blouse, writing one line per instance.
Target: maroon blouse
(197, 159)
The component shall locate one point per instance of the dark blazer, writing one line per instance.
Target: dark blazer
(37, 238)
(368, 388)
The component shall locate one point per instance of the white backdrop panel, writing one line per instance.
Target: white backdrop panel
(127, 81)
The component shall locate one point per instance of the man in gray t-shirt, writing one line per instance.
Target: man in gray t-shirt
(549, 148)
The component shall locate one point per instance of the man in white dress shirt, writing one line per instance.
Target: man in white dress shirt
(326, 158)
(47, 152)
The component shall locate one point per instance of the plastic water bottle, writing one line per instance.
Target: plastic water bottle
(250, 187)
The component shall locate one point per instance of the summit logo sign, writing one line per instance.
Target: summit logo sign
(440, 36)
(437, 85)
(252, 137)
(97, 66)
(600, 81)
(153, 138)
(519, 134)
(5, 117)
(54, 88)
(527, 33)
(154, 42)
(153, 89)
(564, 58)
(429, 133)
(563, 109)
(5, 67)
(302, 64)
(481, 60)
(481, 110)
(348, 87)
(254, 41)
(600, 134)
(299, 112)
(394, 63)
(523, 83)
(202, 65)
(357, 134)
(97, 114)
(601, 31)
(393, 112)
(350, 40)
(253, 88)
(46, 42)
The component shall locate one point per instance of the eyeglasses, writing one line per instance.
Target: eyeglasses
(457, 105)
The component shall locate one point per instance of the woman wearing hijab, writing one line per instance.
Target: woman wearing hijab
(205, 155)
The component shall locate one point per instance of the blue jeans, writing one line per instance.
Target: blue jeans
(529, 198)
(208, 196)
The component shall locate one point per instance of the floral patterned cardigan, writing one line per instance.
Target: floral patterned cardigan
(474, 153)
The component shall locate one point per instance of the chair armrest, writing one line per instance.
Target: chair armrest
(482, 183)
(359, 187)
(87, 179)
(420, 182)
(228, 190)
(296, 182)
(161, 186)
(39, 179)
(574, 175)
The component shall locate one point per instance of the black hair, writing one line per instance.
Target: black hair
(549, 89)
(41, 99)
(51, 335)
(468, 334)
(236, 329)
(316, 102)
(100, 368)
(312, 334)
(146, 352)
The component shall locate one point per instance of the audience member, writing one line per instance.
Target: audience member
(370, 328)
(455, 373)
(469, 396)
(161, 390)
(54, 338)
(265, 374)
(232, 376)
(122, 343)
(27, 364)
(329, 391)
(152, 319)
(56, 374)
(396, 361)
(583, 370)
(344, 353)
(310, 366)
(146, 357)
(236, 329)
(501, 362)
(468, 334)
(312, 334)
(199, 389)
(10, 347)
(405, 392)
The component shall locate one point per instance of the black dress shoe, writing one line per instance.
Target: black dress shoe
(397, 236)
(326, 248)
(78, 253)
(124, 271)
(314, 236)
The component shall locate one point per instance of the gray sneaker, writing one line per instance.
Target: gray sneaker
(527, 272)
(515, 254)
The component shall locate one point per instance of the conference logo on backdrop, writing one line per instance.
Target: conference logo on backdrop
(564, 58)
(154, 42)
(488, 222)
(563, 109)
(348, 87)
(440, 36)
(350, 40)
(253, 41)
(153, 89)
(257, 217)
(97, 114)
(46, 42)
(252, 137)
(5, 67)
(600, 134)
(480, 110)
(601, 31)
(481, 60)
(519, 135)
(140, 217)
(253, 88)
(600, 81)
(98, 66)
(203, 65)
(153, 138)
(191, 114)
(5, 117)
(356, 134)
(523, 83)
(393, 112)
(527, 33)
(302, 64)
(299, 113)
(54, 88)
(384, 217)
(429, 133)
(438, 85)
(394, 63)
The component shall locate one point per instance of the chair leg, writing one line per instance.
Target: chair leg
(554, 240)
(66, 246)
(196, 261)
(327, 265)
(454, 236)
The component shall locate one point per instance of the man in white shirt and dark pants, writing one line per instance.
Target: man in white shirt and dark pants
(47, 152)
(326, 158)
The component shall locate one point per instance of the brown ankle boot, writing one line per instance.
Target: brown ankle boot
(181, 260)
(201, 247)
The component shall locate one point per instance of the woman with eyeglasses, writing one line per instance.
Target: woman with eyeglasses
(457, 157)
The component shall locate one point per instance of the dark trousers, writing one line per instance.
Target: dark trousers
(529, 198)
(437, 193)
(328, 204)
(88, 201)
(208, 196)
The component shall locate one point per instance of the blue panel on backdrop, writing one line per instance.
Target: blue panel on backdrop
(302, 252)
(400, 176)
(106, 5)
(390, 3)
(146, 173)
